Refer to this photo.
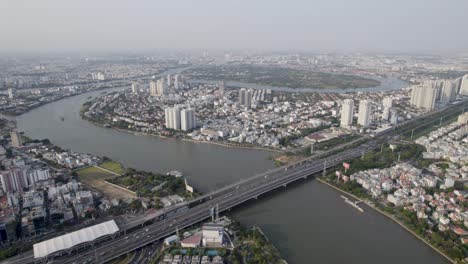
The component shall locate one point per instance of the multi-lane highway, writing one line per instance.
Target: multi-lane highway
(154, 227)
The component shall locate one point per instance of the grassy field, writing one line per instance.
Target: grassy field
(113, 166)
(95, 177)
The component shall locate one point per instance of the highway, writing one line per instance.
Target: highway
(164, 223)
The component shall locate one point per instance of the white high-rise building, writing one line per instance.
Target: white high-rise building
(347, 112)
(387, 105)
(448, 92)
(242, 96)
(153, 88)
(134, 87)
(179, 118)
(424, 96)
(221, 87)
(11, 93)
(187, 119)
(161, 87)
(364, 113)
(464, 85)
(178, 82)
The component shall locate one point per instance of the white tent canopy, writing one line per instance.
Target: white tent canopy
(72, 239)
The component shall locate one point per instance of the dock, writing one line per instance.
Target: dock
(353, 204)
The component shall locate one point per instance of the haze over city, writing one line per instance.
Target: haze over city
(421, 26)
(233, 132)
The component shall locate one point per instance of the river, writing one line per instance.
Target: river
(307, 222)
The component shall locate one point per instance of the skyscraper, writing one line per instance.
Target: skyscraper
(153, 88)
(347, 112)
(180, 118)
(424, 96)
(221, 87)
(11, 93)
(364, 113)
(448, 92)
(187, 119)
(387, 105)
(464, 85)
(134, 87)
(178, 82)
(242, 96)
(161, 87)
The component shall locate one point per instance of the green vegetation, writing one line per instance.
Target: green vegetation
(113, 166)
(280, 77)
(13, 251)
(252, 247)
(148, 184)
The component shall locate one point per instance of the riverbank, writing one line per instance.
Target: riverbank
(222, 144)
(391, 217)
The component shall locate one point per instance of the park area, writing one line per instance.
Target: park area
(96, 177)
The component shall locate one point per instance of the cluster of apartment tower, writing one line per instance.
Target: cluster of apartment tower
(430, 94)
(365, 110)
(180, 117)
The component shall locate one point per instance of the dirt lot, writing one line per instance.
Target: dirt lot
(95, 177)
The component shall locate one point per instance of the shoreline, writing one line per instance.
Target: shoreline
(225, 145)
(391, 217)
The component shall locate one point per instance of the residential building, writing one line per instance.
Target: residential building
(448, 92)
(424, 96)
(347, 112)
(153, 88)
(464, 85)
(364, 113)
(187, 119)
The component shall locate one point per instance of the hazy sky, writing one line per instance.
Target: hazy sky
(302, 25)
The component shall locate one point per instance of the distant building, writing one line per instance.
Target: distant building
(464, 85)
(347, 112)
(448, 91)
(161, 87)
(221, 87)
(16, 140)
(14, 180)
(393, 116)
(187, 119)
(11, 93)
(169, 80)
(153, 88)
(245, 97)
(364, 113)
(178, 82)
(387, 105)
(134, 87)
(424, 96)
(172, 117)
(98, 76)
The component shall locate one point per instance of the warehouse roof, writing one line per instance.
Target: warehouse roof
(72, 239)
